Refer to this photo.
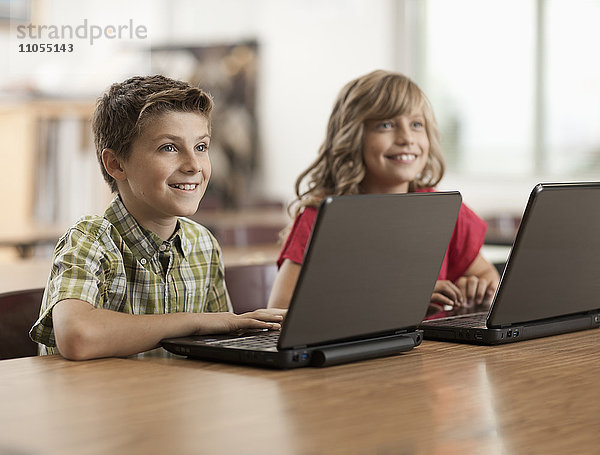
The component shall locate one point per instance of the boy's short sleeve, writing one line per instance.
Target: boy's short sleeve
(113, 263)
(297, 240)
(76, 274)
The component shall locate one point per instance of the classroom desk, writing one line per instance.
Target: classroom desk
(236, 226)
(24, 239)
(532, 397)
(23, 274)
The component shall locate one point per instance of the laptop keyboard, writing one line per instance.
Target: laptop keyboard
(264, 341)
(467, 320)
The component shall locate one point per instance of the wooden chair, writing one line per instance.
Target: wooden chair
(18, 312)
(249, 285)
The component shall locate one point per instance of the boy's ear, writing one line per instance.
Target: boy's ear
(113, 165)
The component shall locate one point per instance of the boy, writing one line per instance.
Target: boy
(122, 282)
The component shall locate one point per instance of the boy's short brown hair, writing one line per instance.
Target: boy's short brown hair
(123, 111)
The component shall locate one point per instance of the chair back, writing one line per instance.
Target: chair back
(18, 312)
(249, 285)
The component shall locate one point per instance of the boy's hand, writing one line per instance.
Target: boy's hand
(215, 323)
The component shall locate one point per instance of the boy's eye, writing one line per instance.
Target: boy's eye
(202, 147)
(386, 125)
(168, 148)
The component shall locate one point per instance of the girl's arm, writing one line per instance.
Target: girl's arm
(283, 287)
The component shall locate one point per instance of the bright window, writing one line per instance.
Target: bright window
(515, 85)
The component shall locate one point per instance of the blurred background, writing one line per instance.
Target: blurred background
(515, 85)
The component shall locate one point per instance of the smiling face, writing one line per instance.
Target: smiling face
(395, 152)
(167, 171)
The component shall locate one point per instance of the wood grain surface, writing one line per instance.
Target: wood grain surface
(537, 396)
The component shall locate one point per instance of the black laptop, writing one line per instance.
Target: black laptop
(551, 282)
(364, 287)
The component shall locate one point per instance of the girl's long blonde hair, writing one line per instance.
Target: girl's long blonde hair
(339, 168)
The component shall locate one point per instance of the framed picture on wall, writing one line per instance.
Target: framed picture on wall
(228, 73)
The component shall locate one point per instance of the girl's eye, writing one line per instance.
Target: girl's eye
(386, 125)
(168, 148)
(418, 124)
(202, 147)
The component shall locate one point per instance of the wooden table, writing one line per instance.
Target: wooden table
(532, 397)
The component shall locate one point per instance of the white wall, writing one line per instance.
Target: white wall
(308, 50)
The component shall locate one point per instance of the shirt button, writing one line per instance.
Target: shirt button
(143, 261)
(162, 247)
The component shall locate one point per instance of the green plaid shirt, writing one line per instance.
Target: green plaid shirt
(114, 263)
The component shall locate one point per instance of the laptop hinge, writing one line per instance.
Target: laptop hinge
(362, 339)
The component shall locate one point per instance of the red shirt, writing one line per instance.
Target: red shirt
(465, 243)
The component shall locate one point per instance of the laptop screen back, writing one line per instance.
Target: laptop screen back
(370, 267)
(554, 266)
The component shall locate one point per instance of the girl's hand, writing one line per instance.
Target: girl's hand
(477, 291)
(446, 293)
(478, 284)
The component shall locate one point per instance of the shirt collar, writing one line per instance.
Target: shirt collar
(142, 242)
(185, 244)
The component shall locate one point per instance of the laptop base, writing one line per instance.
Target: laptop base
(362, 288)
(322, 356)
(505, 335)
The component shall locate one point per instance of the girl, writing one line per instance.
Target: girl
(382, 137)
